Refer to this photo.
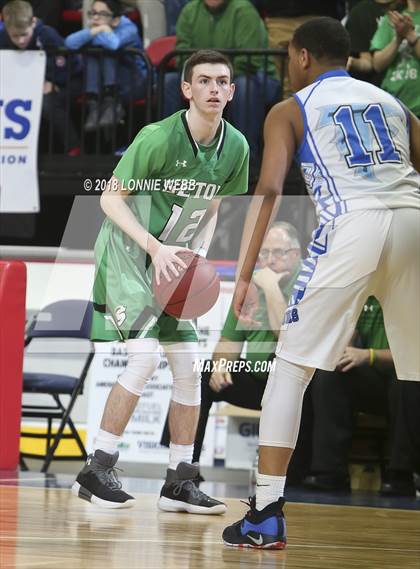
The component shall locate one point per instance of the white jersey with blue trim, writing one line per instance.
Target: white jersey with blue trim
(355, 153)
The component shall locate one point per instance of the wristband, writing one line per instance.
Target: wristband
(371, 356)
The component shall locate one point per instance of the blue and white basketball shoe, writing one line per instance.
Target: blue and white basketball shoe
(265, 529)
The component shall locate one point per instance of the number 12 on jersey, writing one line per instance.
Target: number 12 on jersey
(186, 233)
(358, 154)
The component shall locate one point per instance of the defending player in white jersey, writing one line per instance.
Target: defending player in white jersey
(358, 149)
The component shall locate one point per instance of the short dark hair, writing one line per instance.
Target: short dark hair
(325, 38)
(205, 56)
(114, 6)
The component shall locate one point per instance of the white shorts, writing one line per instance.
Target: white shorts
(363, 253)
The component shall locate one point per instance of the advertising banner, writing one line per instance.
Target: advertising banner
(21, 78)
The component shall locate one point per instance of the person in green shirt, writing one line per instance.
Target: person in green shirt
(364, 381)
(362, 23)
(161, 201)
(396, 53)
(230, 24)
(241, 380)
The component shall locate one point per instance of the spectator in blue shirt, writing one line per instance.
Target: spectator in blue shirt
(22, 31)
(118, 78)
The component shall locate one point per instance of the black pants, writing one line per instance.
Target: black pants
(336, 397)
(247, 391)
(405, 426)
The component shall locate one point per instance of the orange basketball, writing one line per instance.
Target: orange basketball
(193, 293)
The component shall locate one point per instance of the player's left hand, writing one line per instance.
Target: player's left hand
(353, 357)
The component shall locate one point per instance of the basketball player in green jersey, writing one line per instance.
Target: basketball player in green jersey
(161, 200)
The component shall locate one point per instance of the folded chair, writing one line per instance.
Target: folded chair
(65, 319)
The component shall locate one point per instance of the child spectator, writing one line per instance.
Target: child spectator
(25, 32)
(116, 78)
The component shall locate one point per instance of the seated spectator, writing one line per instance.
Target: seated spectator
(364, 381)
(280, 264)
(230, 24)
(396, 53)
(362, 24)
(47, 11)
(152, 13)
(119, 79)
(25, 32)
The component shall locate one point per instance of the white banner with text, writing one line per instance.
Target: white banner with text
(21, 78)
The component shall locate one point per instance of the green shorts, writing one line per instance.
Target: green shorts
(124, 306)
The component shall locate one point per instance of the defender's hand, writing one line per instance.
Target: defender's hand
(245, 303)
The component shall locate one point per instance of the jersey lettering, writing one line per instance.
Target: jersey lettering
(359, 154)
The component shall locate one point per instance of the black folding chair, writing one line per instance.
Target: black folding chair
(59, 320)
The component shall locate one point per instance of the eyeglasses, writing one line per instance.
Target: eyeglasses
(103, 14)
(276, 253)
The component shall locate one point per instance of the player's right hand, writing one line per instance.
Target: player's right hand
(245, 302)
(166, 261)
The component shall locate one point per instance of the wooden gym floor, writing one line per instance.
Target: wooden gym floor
(43, 527)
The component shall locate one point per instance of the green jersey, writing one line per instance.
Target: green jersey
(371, 327)
(172, 180)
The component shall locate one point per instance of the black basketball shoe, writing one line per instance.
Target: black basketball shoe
(180, 493)
(265, 529)
(98, 482)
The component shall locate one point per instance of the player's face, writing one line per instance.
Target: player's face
(210, 88)
(297, 67)
(21, 37)
(278, 253)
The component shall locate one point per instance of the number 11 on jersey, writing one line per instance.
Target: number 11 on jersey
(359, 155)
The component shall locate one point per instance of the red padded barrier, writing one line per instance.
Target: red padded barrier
(12, 328)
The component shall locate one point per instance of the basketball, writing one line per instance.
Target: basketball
(193, 293)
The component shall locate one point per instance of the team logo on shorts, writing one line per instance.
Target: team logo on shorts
(120, 314)
(291, 315)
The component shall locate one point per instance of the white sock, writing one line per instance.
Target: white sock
(269, 489)
(106, 441)
(179, 453)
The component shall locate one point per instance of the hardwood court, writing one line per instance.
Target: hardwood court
(51, 529)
